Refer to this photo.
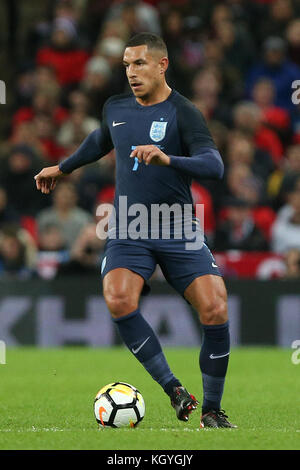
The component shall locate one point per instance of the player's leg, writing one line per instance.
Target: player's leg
(195, 275)
(207, 294)
(122, 289)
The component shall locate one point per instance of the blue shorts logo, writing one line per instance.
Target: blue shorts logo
(158, 130)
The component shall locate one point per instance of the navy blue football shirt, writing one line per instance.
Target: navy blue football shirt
(175, 125)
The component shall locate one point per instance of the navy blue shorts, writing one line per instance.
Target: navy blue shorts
(179, 265)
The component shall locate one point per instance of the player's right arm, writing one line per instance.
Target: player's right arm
(97, 144)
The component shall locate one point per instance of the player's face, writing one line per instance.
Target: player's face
(144, 70)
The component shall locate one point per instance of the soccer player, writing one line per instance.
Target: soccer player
(161, 142)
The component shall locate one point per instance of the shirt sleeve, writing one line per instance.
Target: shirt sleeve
(95, 146)
(193, 130)
(201, 158)
(207, 164)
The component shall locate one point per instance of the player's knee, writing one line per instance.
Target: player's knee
(214, 313)
(120, 303)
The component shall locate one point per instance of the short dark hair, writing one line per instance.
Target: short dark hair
(152, 41)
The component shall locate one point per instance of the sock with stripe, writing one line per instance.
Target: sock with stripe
(214, 356)
(141, 340)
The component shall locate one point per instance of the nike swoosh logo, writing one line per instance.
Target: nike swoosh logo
(214, 265)
(118, 123)
(212, 356)
(135, 351)
(101, 411)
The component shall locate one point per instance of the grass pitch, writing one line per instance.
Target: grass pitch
(46, 401)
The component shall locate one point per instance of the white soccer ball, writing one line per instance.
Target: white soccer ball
(119, 404)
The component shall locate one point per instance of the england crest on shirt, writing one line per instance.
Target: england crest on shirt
(158, 130)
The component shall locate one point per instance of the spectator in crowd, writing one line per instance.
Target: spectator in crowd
(45, 78)
(44, 102)
(94, 17)
(7, 214)
(241, 149)
(65, 214)
(293, 40)
(220, 14)
(292, 263)
(16, 174)
(137, 15)
(85, 253)
(52, 251)
(33, 80)
(46, 116)
(111, 49)
(292, 168)
(41, 31)
(17, 253)
(231, 46)
(207, 87)
(239, 231)
(275, 66)
(64, 53)
(76, 128)
(219, 133)
(276, 118)
(46, 134)
(24, 86)
(277, 20)
(115, 28)
(88, 181)
(96, 83)
(286, 228)
(192, 44)
(25, 135)
(247, 117)
(295, 116)
(174, 31)
(79, 101)
(236, 43)
(213, 53)
(241, 183)
(285, 177)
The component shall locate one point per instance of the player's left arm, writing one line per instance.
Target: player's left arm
(202, 159)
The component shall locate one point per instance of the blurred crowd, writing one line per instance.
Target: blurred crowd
(236, 60)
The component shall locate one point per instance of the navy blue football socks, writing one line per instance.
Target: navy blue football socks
(213, 361)
(141, 340)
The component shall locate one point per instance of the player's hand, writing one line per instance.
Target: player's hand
(150, 154)
(46, 179)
